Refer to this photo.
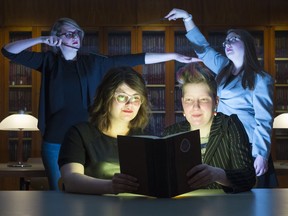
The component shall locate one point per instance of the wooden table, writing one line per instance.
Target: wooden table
(35, 170)
(258, 202)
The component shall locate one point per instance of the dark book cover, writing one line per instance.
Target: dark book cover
(160, 163)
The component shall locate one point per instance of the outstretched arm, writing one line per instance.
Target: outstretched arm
(187, 18)
(151, 58)
(20, 45)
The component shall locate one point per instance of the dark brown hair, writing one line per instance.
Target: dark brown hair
(99, 114)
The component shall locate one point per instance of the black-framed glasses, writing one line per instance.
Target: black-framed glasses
(123, 98)
(70, 34)
(230, 41)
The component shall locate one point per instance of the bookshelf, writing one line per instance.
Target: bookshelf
(153, 39)
(19, 85)
(181, 45)
(279, 66)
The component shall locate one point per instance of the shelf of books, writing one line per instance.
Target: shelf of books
(91, 42)
(119, 42)
(20, 97)
(182, 46)
(281, 91)
(153, 41)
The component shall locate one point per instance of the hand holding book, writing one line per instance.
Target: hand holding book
(160, 163)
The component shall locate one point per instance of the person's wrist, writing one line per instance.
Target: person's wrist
(189, 18)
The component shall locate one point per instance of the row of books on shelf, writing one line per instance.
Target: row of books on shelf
(156, 124)
(281, 149)
(281, 45)
(20, 99)
(90, 43)
(179, 117)
(154, 73)
(19, 75)
(178, 95)
(156, 97)
(281, 98)
(182, 44)
(119, 44)
(281, 68)
(12, 148)
(153, 42)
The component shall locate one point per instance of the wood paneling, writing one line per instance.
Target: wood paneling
(231, 12)
(279, 12)
(151, 12)
(104, 12)
(139, 12)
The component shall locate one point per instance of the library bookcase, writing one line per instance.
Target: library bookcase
(21, 85)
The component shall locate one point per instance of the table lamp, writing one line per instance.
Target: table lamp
(19, 122)
(281, 121)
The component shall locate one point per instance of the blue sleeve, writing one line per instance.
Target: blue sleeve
(263, 108)
(212, 59)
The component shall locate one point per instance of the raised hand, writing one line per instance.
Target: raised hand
(52, 40)
(176, 14)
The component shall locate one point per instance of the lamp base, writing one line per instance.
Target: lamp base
(19, 164)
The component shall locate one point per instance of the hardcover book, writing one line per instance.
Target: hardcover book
(160, 163)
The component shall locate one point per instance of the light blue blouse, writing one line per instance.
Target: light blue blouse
(253, 107)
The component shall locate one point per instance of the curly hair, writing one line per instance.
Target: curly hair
(99, 113)
(197, 72)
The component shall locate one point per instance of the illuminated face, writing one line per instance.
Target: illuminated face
(234, 47)
(126, 104)
(198, 105)
(70, 37)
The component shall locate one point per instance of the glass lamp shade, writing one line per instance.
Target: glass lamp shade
(16, 122)
(281, 121)
(19, 122)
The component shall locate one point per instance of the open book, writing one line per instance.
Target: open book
(160, 163)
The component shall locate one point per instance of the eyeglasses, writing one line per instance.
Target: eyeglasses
(230, 41)
(123, 98)
(69, 34)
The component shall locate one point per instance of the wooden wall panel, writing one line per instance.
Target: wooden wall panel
(235, 13)
(1, 13)
(104, 12)
(34, 12)
(133, 12)
(151, 11)
(47, 12)
(19, 12)
(279, 12)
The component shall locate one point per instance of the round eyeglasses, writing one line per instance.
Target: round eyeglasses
(230, 41)
(69, 34)
(123, 98)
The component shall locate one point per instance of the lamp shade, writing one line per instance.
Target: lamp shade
(16, 122)
(281, 121)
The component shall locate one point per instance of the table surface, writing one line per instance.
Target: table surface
(258, 202)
